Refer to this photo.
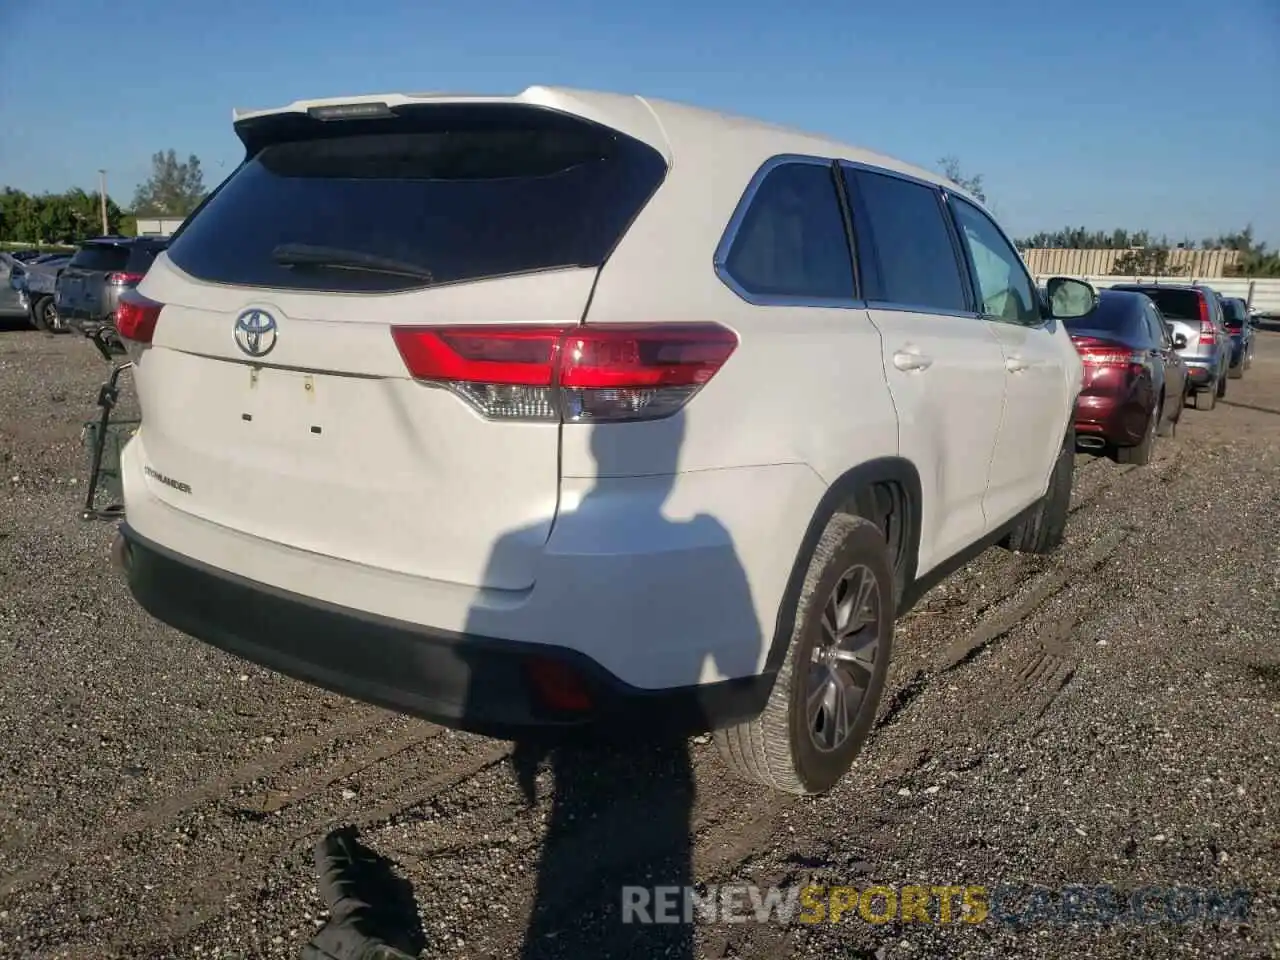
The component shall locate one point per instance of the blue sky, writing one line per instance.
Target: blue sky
(1066, 110)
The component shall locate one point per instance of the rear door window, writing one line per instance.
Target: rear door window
(437, 194)
(791, 241)
(906, 254)
(1233, 314)
(102, 257)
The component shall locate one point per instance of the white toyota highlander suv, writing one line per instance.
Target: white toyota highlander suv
(575, 409)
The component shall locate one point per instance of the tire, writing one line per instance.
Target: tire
(1207, 398)
(1222, 383)
(1141, 454)
(44, 315)
(782, 748)
(1045, 528)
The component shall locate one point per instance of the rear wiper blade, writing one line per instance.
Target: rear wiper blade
(305, 255)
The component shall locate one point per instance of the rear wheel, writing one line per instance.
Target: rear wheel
(1222, 383)
(825, 698)
(1044, 529)
(1142, 453)
(1207, 398)
(44, 314)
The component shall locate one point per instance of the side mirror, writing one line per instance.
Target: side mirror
(1179, 341)
(1070, 298)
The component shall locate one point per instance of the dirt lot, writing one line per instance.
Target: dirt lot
(1110, 715)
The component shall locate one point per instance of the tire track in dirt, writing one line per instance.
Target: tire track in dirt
(203, 900)
(157, 814)
(273, 800)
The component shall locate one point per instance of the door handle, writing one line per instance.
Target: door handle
(1016, 364)
(906, 360)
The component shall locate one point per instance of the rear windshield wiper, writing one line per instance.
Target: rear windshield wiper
(305, 255)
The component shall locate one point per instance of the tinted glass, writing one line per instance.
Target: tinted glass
(141, 256)
(792, 240)
(1005, 291)
(1114, 313)
(905, 249)
(1233, 313)
(465, 193)
(1174, 303)
(101, 256)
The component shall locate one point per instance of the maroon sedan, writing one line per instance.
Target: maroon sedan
(1135, 384)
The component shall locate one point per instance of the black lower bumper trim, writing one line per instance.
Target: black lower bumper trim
(458, 680)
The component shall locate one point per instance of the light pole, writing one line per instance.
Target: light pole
(102, 199)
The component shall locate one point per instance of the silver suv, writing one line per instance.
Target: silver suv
(1194, 315)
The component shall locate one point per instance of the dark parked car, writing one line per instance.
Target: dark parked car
(1195, 311)
(1240, 326)
(1135, 383)
(89, 287)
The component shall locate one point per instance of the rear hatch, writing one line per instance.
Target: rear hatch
(275, 399)
(82, 285)
(1180, 307)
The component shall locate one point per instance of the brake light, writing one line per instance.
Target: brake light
(1104, 353)
(124, 279)
(1208, 334)
(136, 317)
(575, 374)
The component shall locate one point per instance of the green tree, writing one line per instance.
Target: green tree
(173, 189)
(54, 217)
(950, 168)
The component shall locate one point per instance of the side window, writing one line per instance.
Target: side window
(905, 249)
(1004, 289)
(1156, 326)
(792, 242)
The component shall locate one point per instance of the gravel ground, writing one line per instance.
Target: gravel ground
(1108, 715)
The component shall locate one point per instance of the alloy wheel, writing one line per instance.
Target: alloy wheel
(843, 658)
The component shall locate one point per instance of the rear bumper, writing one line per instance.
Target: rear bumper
(1201, 371)
(1120, 422)
(477, 683)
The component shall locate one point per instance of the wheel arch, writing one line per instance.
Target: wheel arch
(866, 491)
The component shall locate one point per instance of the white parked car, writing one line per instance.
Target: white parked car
(576, 408)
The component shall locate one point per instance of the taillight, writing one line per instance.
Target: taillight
(136, 317)
(124, 279)
(1103, 353)
(576, 374)
(1208, 334)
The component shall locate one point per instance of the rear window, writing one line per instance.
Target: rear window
(141, 256)
(434, 195)
(1114, 313)
(1175, 304)
(101, 256)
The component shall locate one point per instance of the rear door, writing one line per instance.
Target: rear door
(10, 270)
(273, 389)
(1175, 371)
(944, 366)
(1037, 391)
